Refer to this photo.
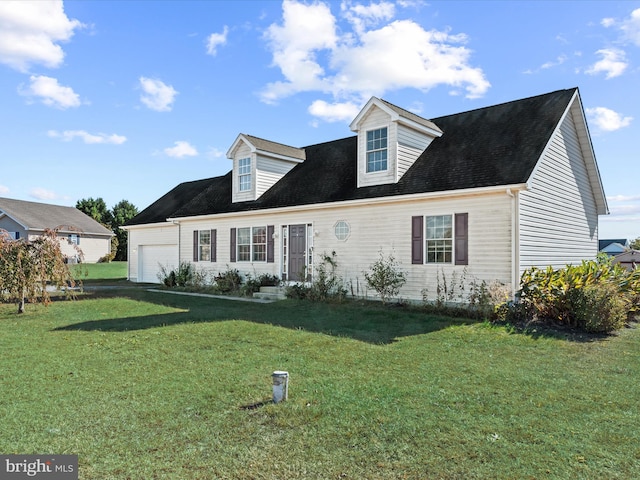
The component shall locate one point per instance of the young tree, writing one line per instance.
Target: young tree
(635, 244)
(27, 267)
(385, 277)
(120, 214)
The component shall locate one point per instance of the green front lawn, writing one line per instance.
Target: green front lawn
(99, 272)
(162, 386)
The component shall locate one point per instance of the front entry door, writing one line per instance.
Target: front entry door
(297, 252)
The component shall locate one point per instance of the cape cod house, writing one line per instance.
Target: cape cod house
(28, 220)
(490, 191)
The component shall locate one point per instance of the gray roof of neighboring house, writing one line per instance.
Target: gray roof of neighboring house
(40, 216)
(486, 147)
(604, 243)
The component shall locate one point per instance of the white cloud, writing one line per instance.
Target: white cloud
(334, 112)
(214, 152)
(43, 194)
(181, 149)
(362, 16)
(4, 190)
(606, 119)
(50, 92)
(30, 33)
(623, 198)
(613, 63)
(629, 27)
(157, 95)
(215, 40)
(558, 61)
(86, 137)
(376, 56)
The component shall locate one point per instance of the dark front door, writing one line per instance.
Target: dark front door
(297, 252)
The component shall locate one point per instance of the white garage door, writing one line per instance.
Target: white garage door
(151, 257)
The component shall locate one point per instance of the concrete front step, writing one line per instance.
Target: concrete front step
(270, 293)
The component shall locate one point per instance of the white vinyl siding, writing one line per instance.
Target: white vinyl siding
(411, 144)
(166, 234)
(269, 171)
(375, 228)
(374, 120)
(558, 216)
(243, 152)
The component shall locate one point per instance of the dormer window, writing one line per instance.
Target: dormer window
(377, 150)
(244, 174)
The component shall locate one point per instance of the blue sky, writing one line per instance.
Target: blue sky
(127, 99)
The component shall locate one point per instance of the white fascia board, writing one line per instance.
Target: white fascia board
(373, 100)
(167, 223)
(363, 202)
(5, 214)
(266, 153)
(583, 130)
(417, 126)
(239, 138)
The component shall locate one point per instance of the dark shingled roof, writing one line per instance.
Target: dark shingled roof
(497, 145)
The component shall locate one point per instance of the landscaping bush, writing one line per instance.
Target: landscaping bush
(326, 285)
(252, 285)
(594, 296)
(228, 281)
(178, 277)
(385, 277)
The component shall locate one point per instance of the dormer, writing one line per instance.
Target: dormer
(258, 164)
(390, 140)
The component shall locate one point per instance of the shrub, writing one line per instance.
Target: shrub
(252, 285)
(326, 284)
(178, 277)
(600, 308)
(228, 281)
(385, 277)
(594, 296)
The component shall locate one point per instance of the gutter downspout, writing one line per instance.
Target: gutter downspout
(515, 233)
(177, 222)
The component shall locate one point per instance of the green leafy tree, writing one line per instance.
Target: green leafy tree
(635, 244)
(122, 212)
(96, 209)
(28, 267)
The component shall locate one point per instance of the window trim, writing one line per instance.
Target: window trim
(460, 239)
(374, 150)
(268, 253)
(244, 174)
(447, 241)
(197, 245)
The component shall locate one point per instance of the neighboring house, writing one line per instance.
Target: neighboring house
(29, 220)
(630, 259)
(485, 193)
(614, 246)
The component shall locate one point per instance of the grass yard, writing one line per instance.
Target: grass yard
(100, 271)
(158, 386)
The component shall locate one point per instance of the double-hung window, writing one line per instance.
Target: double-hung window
(377, 150)
(244, 174)
(439, 239)
(244, 244)
(251, 244)
(204, 245)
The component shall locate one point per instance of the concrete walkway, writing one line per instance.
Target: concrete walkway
(206, 295)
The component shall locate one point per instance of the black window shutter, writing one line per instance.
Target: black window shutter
(195, 245)
(270, 242)
(214, 242)
(462, 239)
(232, 251)
(417, 240)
